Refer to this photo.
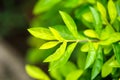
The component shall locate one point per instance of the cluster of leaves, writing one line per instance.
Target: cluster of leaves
(96, 48)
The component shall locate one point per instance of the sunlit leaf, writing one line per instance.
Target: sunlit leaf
(112, 11)
(88, 16)
(107, 68)
(64, 32)
(85, 47)
(57, 54)
(113, 38)
(36, 72)
(48, 45)
(97, 19)
(116, 48)
(42, 33)
(60, 62)
(70, 24)
(98, 63)
(115, 64)
(74, 75)
(91, 56)
(56, 34)
(106, 32)
(44, 5)
(91, 33)
(102, 11)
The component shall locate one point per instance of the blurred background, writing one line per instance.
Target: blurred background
(15, 16)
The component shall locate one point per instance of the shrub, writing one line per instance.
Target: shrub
(86, 46)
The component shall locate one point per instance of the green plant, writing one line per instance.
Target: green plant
(80, 52)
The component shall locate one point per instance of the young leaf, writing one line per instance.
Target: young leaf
(88, 16)
(58, 53)
(91, 56)
(44, 5)
(97, 19)
(42, 33)
(102, 11)
(70, 24)
(112, 11)
(48, 45)
(106, 32)
(115, 64)
(107, 68)
(60, 62)
(74, 75)
(113, 38)
(116, 48)
(36, 72)
(56, 34)
(85, 47)
(91, 33)
(98, 63)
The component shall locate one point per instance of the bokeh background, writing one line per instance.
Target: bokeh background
(15, 16)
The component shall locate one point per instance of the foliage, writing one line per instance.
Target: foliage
(90, 38)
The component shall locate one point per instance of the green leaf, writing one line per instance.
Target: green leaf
(107, 49)
(56, 34)
(91, 33)
(44, 5)
(98, 63)
(55, 73)
(115, 64)
(74, 75)
(67, 68)
(60, 62)
(70, 25)
(36, 72)
(113, 38)
(102, 11)
(71, 4)
(106, 32)
(91, 56)
(88, 16)
(116, 48)
(64, 32)
(57, 54)
(42, 33)
(48, 45)
(85, 47)
(107, 68)
(97, 19)
(112, 11)
(81, 58)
